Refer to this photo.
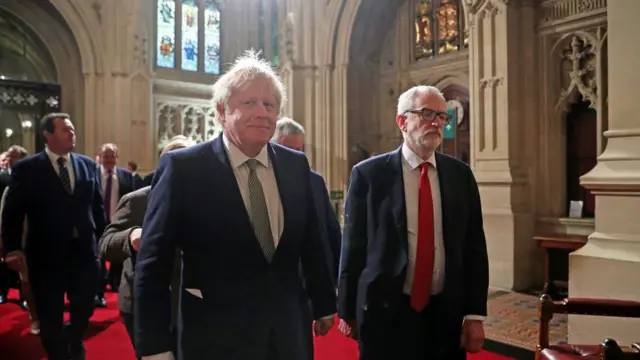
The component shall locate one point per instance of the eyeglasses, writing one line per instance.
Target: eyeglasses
(430, 115)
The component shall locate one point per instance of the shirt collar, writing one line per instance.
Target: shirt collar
(413, 160)
(237, 157)
(104, 171)
(54, 157)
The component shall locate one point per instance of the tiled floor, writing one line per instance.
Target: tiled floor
(513, 320)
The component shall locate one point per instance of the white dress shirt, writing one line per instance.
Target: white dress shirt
(115, 188)
(411, 163)
(69, 164)
(267, 177)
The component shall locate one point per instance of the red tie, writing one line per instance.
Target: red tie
(423, 275)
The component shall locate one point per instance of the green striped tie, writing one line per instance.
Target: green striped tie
(259, 213)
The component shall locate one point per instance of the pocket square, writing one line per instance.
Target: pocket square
(195, 292)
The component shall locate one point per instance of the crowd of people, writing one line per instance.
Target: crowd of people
(231, 248)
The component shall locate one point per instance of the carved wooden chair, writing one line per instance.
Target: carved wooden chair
(608, 350)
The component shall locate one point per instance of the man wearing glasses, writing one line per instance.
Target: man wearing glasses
(414, 270)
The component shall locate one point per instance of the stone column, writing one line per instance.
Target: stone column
(503, 110)
(608, 266)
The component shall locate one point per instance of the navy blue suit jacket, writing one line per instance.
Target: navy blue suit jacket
(36, 191)
(245, 302)
(374, 244)
(329, 225)
(126, 181)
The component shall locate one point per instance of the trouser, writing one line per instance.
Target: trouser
(49, 286)
(403, 333)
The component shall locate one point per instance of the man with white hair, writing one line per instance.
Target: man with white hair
(414, 269)
(242, 212)
(289, 133)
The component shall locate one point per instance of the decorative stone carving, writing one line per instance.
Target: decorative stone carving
(490, 82)
(567, 10)
(288, 38)
(581, 56)
(195, 121)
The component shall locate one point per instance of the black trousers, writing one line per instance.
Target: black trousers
(403, 333)
(49, 284)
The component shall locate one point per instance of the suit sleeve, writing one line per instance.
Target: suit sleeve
(98, 205)
(334, 233)
(114, 244)
(154, 263)
(14, 210)
(476, 260)
(320, 285)
(354, 245)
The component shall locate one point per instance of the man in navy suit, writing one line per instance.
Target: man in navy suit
(115, 183)
(242, 212)
(289, 133)
(59, 193)
(414, 270)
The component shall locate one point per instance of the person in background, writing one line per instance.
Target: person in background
(7, 278)
(115, 182)
(414, 272)
(58, 192)
(121, 241)
(15, 153)
(289, 133)
(132, 166)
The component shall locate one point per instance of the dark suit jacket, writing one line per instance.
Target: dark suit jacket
(246, 302)
(329, 225)
(126, 182)
(374, 243)
(5, 178)
(115, 246)
(36, 191)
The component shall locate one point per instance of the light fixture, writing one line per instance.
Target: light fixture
(8, 132)
(27, 125)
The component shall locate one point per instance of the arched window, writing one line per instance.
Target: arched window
(191, 43)
(269, 30)
(439, 28)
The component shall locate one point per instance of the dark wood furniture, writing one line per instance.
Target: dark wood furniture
(608, 350)
(557, 241)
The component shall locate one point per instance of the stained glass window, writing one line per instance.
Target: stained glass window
(166, 34)
(189, 35)
(439, 28)
(212, 38)
(198, 35)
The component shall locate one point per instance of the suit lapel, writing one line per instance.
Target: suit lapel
(78, 171)
(397, 196)
(446, 195)
(226, 179)
(280, 170)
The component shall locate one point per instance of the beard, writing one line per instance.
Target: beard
(429, 141)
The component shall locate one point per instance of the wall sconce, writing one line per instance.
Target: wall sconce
(8, 133)
(27, 125)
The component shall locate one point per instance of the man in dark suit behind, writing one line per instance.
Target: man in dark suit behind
(289, 133)
(242, 212)
(414, 269)
(121, 241)
(115, 182)
(59, 193)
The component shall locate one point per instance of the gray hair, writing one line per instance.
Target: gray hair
(286, 127)
(245, 69)
(406, 99)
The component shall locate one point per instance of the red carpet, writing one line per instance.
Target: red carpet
(108, 339)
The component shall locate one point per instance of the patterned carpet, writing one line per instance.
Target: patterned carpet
(513, 320)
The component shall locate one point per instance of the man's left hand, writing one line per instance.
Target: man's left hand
(472, 336)
(322, 326)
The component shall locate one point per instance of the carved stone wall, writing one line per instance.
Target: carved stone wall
(573, 59)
